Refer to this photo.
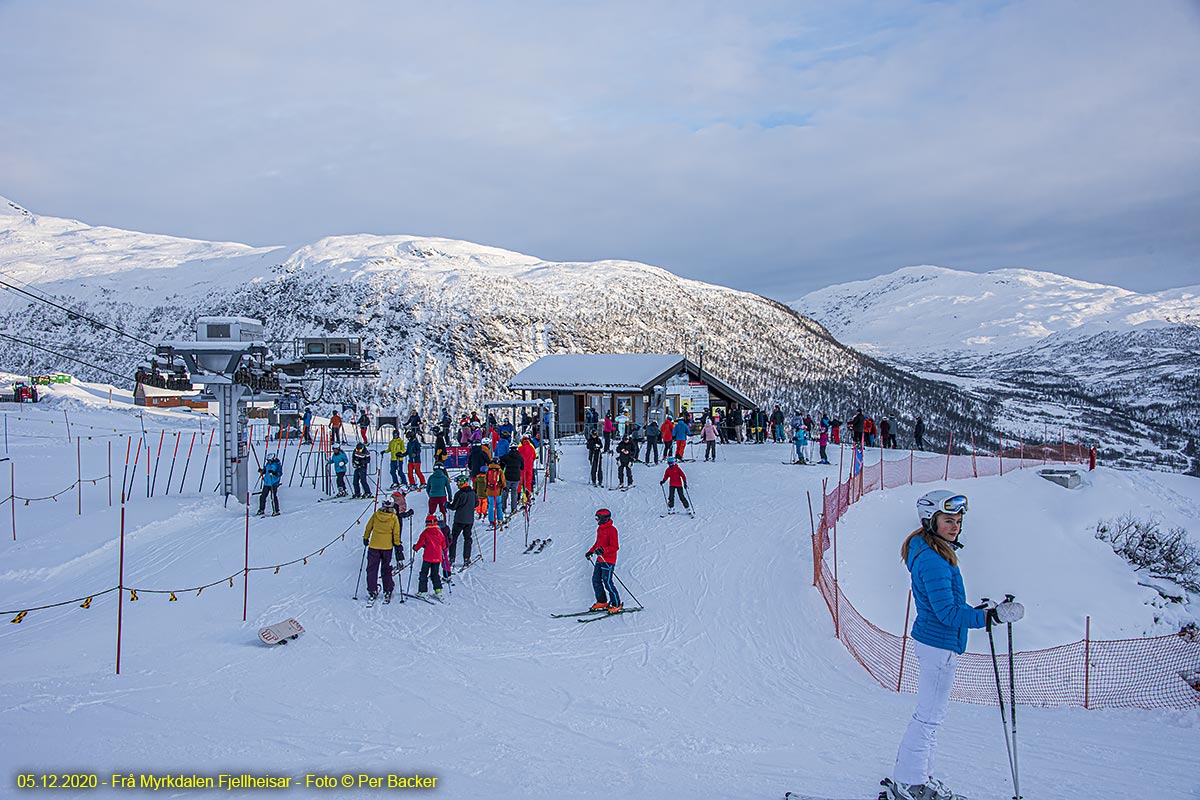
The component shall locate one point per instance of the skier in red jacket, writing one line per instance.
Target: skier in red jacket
(433, 542)
(678, 484)
(605, 549)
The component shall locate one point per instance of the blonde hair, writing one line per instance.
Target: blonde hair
(939, 545)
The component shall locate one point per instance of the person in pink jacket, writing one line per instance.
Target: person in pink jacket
(708, 435)
(433, 542)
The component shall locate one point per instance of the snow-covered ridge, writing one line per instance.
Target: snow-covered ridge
(928, 311)
(1034, 337)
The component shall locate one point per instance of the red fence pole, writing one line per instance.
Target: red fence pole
(187, 462)
(110, 473)
(1002, 456)
(246, 568)
(12, 495)
(121, 587)
(79, 475)
(157, 459)
(904, 640)
(974, 464)
(1063, 444)
(910, 467)
(1087, 660)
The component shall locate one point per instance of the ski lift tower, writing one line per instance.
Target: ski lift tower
(231, 360)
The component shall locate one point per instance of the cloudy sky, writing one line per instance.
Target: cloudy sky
(771, 146)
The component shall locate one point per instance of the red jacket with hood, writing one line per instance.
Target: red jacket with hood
(606, 540)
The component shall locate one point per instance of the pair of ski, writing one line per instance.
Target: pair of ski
(537, 545)
(620, 488)
(884, 794)
(592, 616)
(690, 512)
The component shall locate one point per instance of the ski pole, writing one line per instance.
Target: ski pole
(412, 558)
(1012, 704)
(663, 486)
(360, 572)
(688, 496)
(626, 588)
(1000, 693)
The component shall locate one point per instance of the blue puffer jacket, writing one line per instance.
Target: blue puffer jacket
(272, 472)
(943, 615)
(680, 431)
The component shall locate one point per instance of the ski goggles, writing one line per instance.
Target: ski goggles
(954, 505)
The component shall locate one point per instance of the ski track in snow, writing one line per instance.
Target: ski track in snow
(729, 684)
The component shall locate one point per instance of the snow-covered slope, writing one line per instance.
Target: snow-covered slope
(452, 321)
(729, 685)
(1122, 358)
(933, 313)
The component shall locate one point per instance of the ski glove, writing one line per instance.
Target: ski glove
(399, 551)
(1008, 612)
(366, 541)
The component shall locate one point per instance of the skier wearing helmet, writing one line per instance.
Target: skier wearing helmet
(381, 537)
(605, 549)
(463, 506)
(272, 474)
(939, 636)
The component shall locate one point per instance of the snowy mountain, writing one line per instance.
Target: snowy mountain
(452, 321)
(1128, 362)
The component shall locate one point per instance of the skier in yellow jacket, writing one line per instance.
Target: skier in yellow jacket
(381, 536)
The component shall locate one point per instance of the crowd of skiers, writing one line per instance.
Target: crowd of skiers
(498, 480)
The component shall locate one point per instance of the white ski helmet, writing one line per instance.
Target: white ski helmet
(939, 500)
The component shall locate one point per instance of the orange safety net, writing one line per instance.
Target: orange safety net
(1157, 672)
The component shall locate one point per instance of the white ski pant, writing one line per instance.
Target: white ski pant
(914, 761)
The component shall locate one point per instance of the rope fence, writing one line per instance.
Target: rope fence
(1147, 673)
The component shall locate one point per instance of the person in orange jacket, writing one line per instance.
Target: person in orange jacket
(335, 428)
(495, 487)
(605, 549)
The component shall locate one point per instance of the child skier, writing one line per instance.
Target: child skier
(339, 460)
(434, 544)
(605, 549)
(678, 484)
(272, 474)
(800, 439)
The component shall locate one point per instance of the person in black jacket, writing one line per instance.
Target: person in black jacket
(653, 437)
(514, 464)
(595, 448)
(625, 455)
(362, 460)
(477, 460)
(919, 433)
(463, 506)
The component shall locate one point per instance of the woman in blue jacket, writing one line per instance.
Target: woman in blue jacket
(939, 636)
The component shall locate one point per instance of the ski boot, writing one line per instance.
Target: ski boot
(387, 598)
(261, 514)
(616, 609)
(602, 606)
(274, 513)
